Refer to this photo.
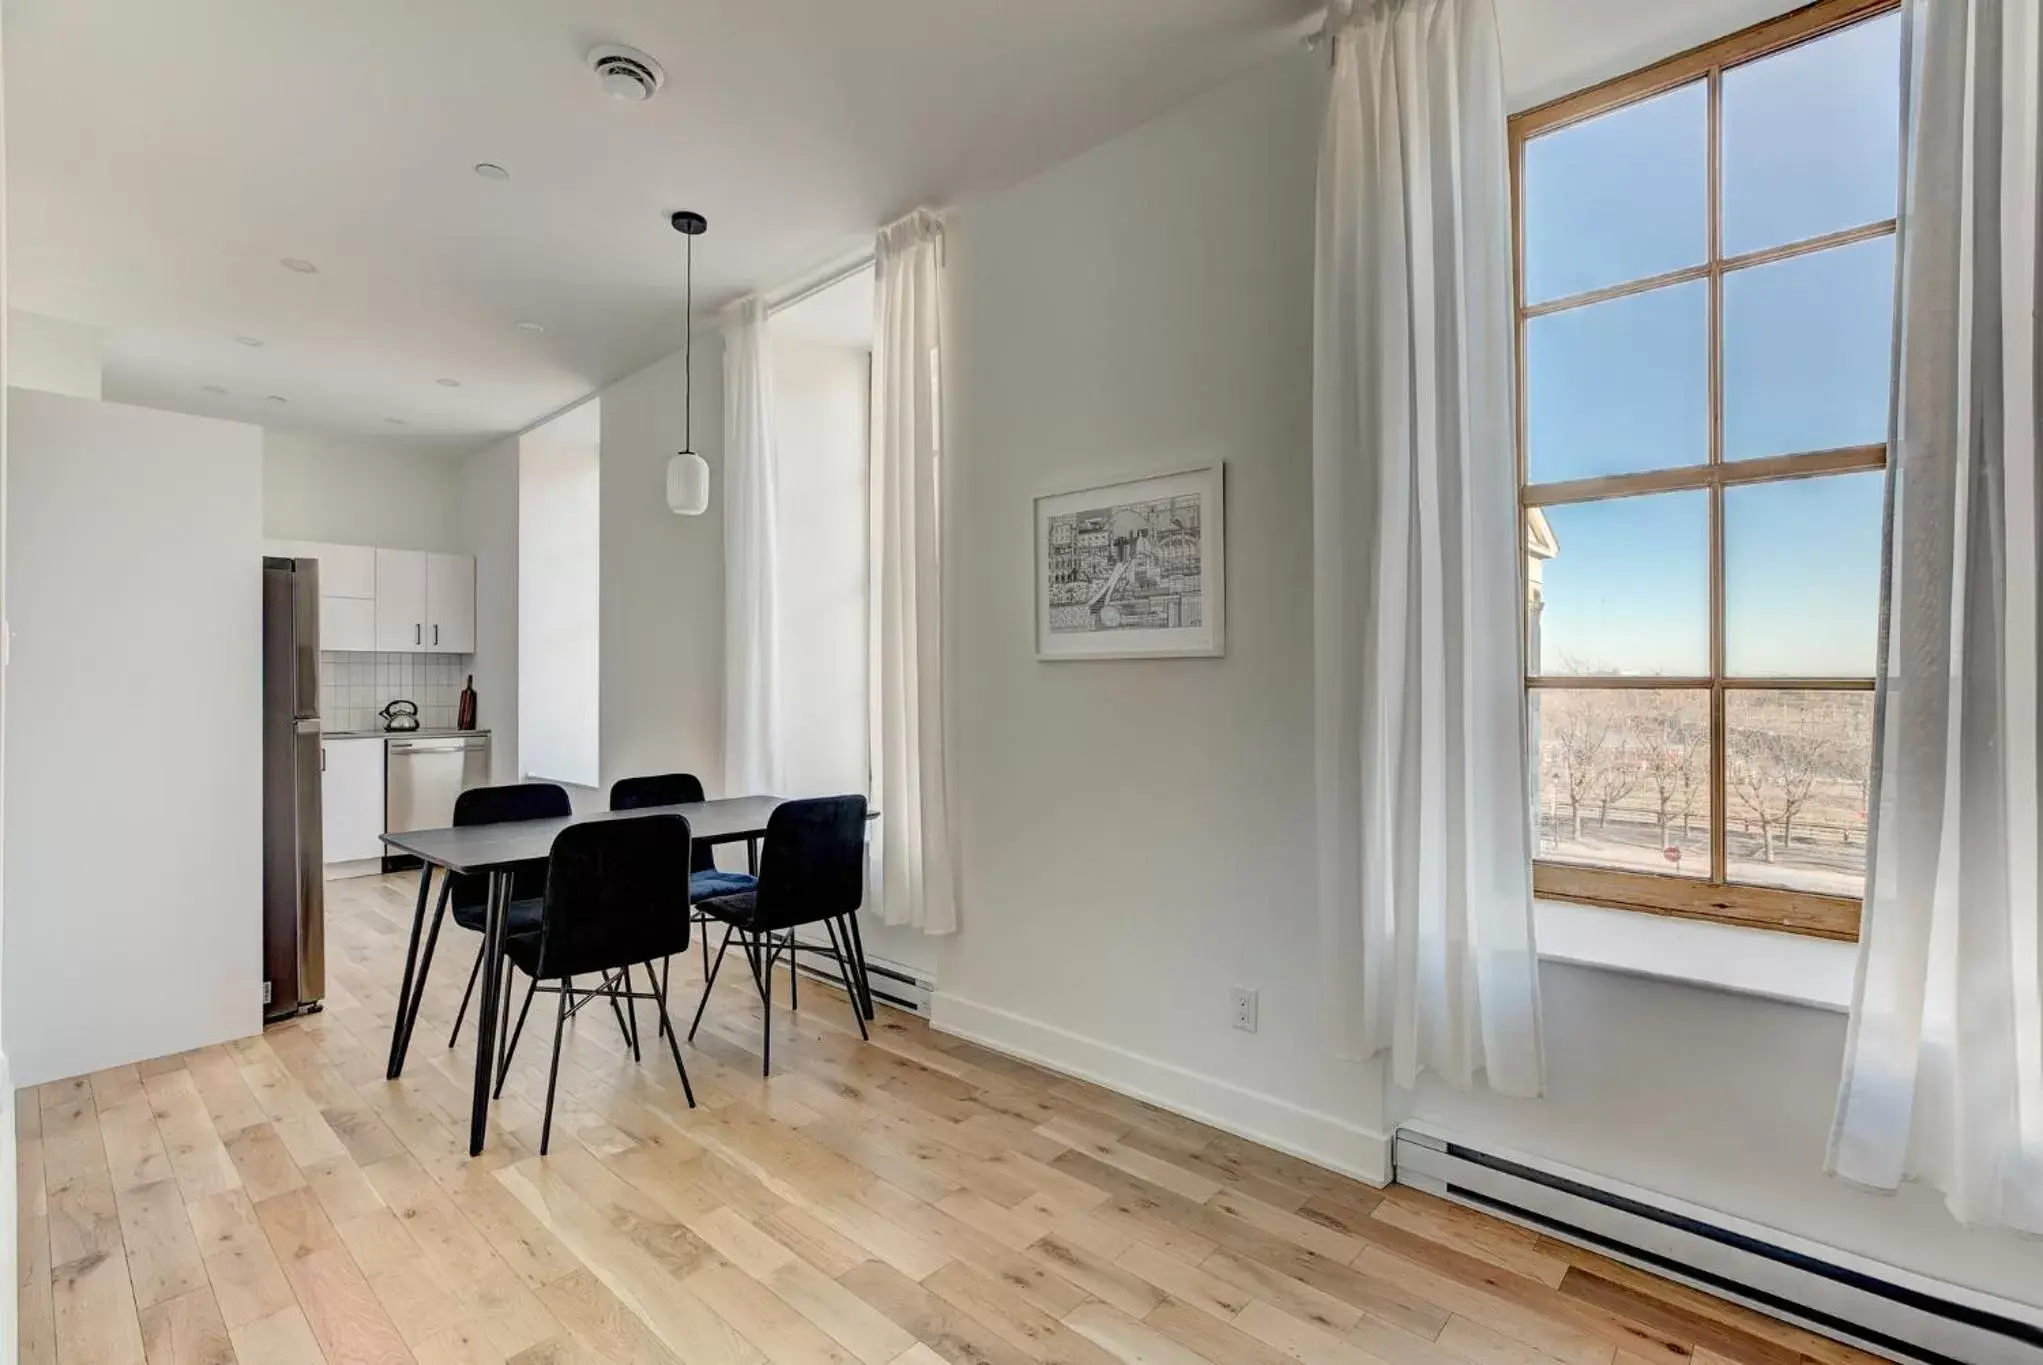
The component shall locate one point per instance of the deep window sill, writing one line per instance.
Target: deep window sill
(1797, 970)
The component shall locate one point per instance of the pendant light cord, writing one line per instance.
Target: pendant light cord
(688, 354)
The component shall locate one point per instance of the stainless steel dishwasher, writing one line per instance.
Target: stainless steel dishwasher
(423, 776)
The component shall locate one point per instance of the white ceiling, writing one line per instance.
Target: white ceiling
(163, 157)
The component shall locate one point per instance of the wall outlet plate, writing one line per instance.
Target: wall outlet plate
(1244, 1002)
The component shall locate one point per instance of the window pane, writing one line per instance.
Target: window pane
(1625, 589)
(1812, 138)
(1619, 386)
(1619, 197)
(1797, 769)
(1802, 577)
(1808, 349)
(1623, 778)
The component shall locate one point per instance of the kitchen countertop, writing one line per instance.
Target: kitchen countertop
(423, 732)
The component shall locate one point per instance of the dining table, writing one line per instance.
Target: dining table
(497, 851)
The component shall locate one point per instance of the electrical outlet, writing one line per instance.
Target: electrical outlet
(266, 988)
(1244, 1009)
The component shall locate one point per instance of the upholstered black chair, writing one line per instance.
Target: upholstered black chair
(468, 896)
(812, 871)
(616, 897)
(705, 878)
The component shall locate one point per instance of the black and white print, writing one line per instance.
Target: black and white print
(1131, 569)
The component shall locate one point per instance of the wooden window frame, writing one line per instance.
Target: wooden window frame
(1715, 898)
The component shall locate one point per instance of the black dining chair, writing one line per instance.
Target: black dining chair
(616, 897)
(705, 878)
(468, 896)
(811, 871)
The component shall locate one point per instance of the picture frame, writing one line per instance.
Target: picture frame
(1135, 568)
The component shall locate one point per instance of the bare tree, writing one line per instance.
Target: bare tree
(1618, 773)
(1754, 782)
(1670, 755)
(1773, 774)
(1578, 733)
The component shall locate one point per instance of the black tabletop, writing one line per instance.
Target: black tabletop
(478, 848)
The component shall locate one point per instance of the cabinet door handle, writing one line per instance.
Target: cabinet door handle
(416, 632)
(436, 634)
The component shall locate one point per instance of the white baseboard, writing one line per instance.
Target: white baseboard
(360, 867)
(1304, 1133)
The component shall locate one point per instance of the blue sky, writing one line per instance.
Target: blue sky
(1810, 146)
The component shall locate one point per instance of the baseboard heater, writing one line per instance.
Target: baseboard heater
(1883, 1314)
(889, 982)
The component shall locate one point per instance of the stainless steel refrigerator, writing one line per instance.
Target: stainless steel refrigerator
(293, 884)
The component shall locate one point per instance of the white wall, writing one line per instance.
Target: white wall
(560, 488)
(1137, 836)
(133, 876)
(821, 395)
(53, 354)
(10, 1283)
(359, 493)
(488, 496)
(663, 578)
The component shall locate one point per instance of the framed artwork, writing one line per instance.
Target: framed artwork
(1133, 570)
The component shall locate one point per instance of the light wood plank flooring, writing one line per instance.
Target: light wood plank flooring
(914, 1200)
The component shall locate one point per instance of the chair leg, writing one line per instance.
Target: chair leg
(462, 1013)
(667, 976)
(516, 1033)
(553, 1073)
(844, 974)
(631, 1012)
(762, 975)
(794, 974)
(667, 1031)
(709, 981)
(504, 1022)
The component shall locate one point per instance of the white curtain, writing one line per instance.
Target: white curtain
(752, 727)
(1425, 884)
(916, 869)
(1943, 1076)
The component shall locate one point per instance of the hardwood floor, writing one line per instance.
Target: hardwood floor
(914, 1200)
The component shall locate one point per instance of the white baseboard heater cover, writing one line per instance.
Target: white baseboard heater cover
(888, 981)
(1876, 1313)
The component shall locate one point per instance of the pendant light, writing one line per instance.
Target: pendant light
(687, 472)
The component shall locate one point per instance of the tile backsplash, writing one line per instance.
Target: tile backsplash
(354, 687)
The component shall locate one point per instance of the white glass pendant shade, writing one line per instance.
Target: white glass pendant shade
(688, 484)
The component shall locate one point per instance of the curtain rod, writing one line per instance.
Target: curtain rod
(828, 280)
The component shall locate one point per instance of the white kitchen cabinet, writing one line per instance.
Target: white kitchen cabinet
(344, 570)
(351, 799)
(347, 623)
(450, 604)
(401, 601)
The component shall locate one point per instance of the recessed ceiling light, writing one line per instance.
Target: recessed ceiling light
(489, 170)
(249, 341)
(214, 388)
(395, 421)
(299, 264)
(278, 398)
(448, 383)
(531, 326)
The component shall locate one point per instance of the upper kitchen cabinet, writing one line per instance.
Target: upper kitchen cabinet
(401, 601)
(425, 603)
(450, 604)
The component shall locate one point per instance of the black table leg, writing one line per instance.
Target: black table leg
(489, 1006)
(400, 1031)
(865, 990)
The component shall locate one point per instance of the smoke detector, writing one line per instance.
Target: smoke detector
(626, 73)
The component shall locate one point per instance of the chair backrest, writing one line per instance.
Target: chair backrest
(603, 880)
(498, 806)
(663, 789)
(813, 865)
